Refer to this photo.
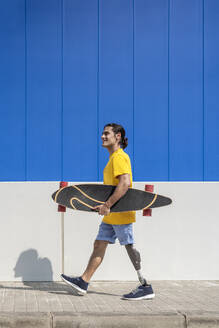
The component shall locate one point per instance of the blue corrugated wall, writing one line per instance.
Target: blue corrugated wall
(67, 67)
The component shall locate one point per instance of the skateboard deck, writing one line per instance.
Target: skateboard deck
(84, 197)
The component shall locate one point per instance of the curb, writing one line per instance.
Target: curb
(25, 320)
(108, 320)
(202, 319)
(113, 320)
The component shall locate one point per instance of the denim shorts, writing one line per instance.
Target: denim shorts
(109, 232)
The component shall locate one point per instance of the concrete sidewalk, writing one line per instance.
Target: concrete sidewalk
(176, 304)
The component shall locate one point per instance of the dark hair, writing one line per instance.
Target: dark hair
(119, 129)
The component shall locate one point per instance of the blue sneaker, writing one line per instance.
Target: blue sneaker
(140, 293)
(77, 283)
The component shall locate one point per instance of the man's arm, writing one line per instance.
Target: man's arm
(121, 189)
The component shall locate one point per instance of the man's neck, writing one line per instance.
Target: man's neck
(113, 148)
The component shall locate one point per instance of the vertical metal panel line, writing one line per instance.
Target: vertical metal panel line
(98, 88)
(133, 68)
(168, 100)
(62, 98)
(203, 83)
(25, 87)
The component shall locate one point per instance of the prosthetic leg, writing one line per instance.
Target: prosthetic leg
(135, 257)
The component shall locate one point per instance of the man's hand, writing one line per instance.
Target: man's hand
(102, 209)
(121, 189)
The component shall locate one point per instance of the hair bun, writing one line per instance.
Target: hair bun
(124, 143)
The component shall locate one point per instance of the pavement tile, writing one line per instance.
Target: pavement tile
(52, 304)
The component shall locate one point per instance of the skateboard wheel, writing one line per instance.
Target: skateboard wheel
(62, 208)
(149, 188)
(63, 184)
(147, 212)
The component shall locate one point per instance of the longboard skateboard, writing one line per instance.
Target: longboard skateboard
(84, 197)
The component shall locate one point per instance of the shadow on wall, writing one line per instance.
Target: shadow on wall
(30, 267)
(37, 274)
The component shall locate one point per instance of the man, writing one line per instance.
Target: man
(114, 225)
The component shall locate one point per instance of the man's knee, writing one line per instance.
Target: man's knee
(100, 244)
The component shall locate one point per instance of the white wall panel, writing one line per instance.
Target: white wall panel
(178, 242)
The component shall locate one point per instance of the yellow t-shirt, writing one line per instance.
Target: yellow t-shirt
(119, 163)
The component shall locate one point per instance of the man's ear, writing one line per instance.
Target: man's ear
(118, 136)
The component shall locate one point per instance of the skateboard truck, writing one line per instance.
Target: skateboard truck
(148, 211)
(62, 209)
